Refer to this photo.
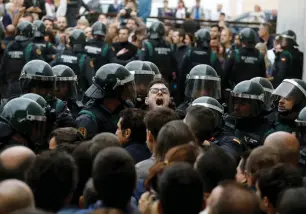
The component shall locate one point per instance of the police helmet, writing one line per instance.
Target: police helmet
(214, 105)
(288, 38)
(202, 81)
(248, 36)
(247, 93)
(113, 81)
(268, 90)
(301, 126)
(37, 98)
(77, 40)
(99, 29)
(27, 117)
(24, 31)
(39, 28)
(292, 88)
(154, 68)
(37, 76)
(202, 38)
(143, 75)
(156, 30)
(65, 77)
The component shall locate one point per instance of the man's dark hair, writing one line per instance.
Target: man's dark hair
(180, 190)
(133, 119)
(90, 195)
(222, 14)
(181, 33)
(236, 199)
(66, 135)
(52, 178)
(273, 181)
(103, 141)
(18, 172)
(124, 28)
(292, 200)
(172, 134)
(201, 121)
(217, 26)
(214, 166)
(114, 177)
(83, 159)
(157, 81)
(157, 118)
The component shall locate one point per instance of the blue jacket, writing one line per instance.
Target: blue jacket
(138, 151)
(144, 9)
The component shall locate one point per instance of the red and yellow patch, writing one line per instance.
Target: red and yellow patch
(83, 131)
(283, 59)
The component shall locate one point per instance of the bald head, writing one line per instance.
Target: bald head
(10, 30)
(15, 195)
(286, 145)
(14, 161)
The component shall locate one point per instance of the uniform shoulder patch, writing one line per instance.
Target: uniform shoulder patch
(38, 51)
(283, 59)
(92, 63)
(83, 131)
(3, 46)
(236, 140)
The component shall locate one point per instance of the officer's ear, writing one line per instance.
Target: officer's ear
(127, 133)
(146, 100)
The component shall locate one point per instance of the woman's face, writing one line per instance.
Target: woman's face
(187, 40)
(180, 4)
(221, 49)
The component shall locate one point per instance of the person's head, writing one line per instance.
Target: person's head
(15, 161)
(26, 17)
(103, 18)
(231, 197)
(131, 24)
(88, 33)
(215, 32)
(114, 177)
(180, 190)
(61, 23)
(286, 145)
(131, 126)
(15, 195)
(237, 40)
(181, 4)
(123, 34)
(257, 8)
(219, 7)
(273, 181)
(262, 48)
(214, 166)
(52, 178)
(292, 200)
(172, 134)
(241, 175)
(49, 36)
(260, 158)
(201, 122)
(10, 30)
(82, 23)
(102, 141)
(222, 17)
(226, 36)
(178, 36)
(67, 135)
(182, 153)
(197, 3)
(89, 196)
(49, 22)
(214, 44)
(154, 120)
(189, 40)
(264, 30)
(165, 3)
(158, 94)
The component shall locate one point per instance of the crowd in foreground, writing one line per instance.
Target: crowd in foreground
(109, 119)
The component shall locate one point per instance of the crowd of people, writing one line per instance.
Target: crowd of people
(114, 118)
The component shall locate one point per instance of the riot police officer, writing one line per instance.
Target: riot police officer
(155, 69)
(22, 122)
(48, 50)
(37, 77)
(246, 120)
(201, 81)
(143, 75)
(75, 58)
(201, 54)
(158, 50)
(66, 87)
(244, 63)
(301, 136)
(221, 137)
(112, 86)
(289, 61)
(291, 97)
(16, 55)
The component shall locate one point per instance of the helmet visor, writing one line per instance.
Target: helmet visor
(268, 99)
(45, 89)
(38, 126)
(142, 80)
(243, 107)
(290, 89)
(198, 86)
(129, 92)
